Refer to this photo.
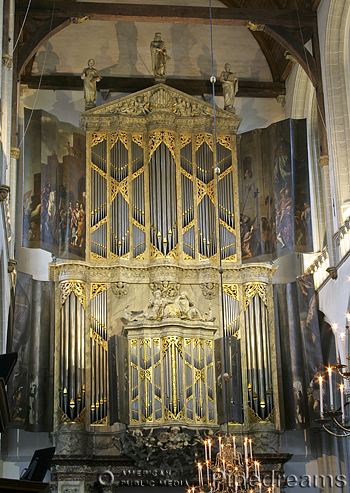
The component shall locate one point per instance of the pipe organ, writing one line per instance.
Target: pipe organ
(159, 223)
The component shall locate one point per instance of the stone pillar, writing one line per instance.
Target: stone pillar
(323, 162)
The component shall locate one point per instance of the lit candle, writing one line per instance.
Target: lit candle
(245, 449)
(220, 446)
(205, 445)
(209, 449)
(199, 474)
(342, 337)
(342, 402)
(234, 445)
(246, 469)
(321, 396)
(335, 326)
(330, 387)
(251, 449)
(259, 487)
(236, 489)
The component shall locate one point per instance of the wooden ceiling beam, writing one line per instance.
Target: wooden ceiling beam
(194, 87)
(167, 13)
(296, 49)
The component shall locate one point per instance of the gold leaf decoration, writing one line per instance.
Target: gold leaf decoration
(97, 137)
(119, 135)
(184, 140)
(250, 289)
(97, 288)
(231, 290)
(77, 287)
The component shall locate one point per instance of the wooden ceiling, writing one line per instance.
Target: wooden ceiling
(280, 27)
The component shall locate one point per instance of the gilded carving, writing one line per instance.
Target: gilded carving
(205, 189)
(63, 418)
(120, 289)
(224, 140)
(184, 140)
(98, 339)
(229, 228)
(231, 258)
(201, 138)
(97, 137)
(119, 186)
(97, 288)
(98, 170)
(250, 289)
(119, 135)
(187, 227)
(138, 172)
(231, 290)
(187, 174)
(97, 225)
(159, 136)
(77, 287)
(138, 139)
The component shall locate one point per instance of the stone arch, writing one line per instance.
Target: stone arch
(337, 72)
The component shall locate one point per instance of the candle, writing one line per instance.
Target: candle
(273, 477)
(258, 470)
(245, 449)
(342, 337)
(342, 402)
(335, 326)
(236, 489)
(223, 463)
(209, 449)
(234, 445)
(220, 446)
(321, 396)
(251, 449)
(200, 479)
(246, 469)
(205, 445)
(259, 487)
(207, 462)
(330, 387)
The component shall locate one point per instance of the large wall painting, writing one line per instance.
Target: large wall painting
(54, 181)
(275, 213)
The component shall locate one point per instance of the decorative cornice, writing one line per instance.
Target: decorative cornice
(113, 272)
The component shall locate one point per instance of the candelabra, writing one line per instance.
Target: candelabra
(230, 471)
(329, 418)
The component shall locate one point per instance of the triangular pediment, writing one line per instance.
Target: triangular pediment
(160, 97)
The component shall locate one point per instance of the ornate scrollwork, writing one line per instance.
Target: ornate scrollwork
(184, 140)
(187, 174)
(209, 290)
(119, 186)
(231, 290)
(201, 138)
(102, 422)
(225, 141)
(97, 288)
(255, 418)
(205, 189)
(119, 135)
(229, 228)
(231, 258)
(97, 137)
(250, 289)
(63, 418)
(77, 287)
(159, 136)
(120, 289)
(138, 139)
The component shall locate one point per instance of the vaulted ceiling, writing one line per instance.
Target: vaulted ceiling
(280, 28)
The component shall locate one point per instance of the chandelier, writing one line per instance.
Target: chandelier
(229, 470)
(336, 418)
